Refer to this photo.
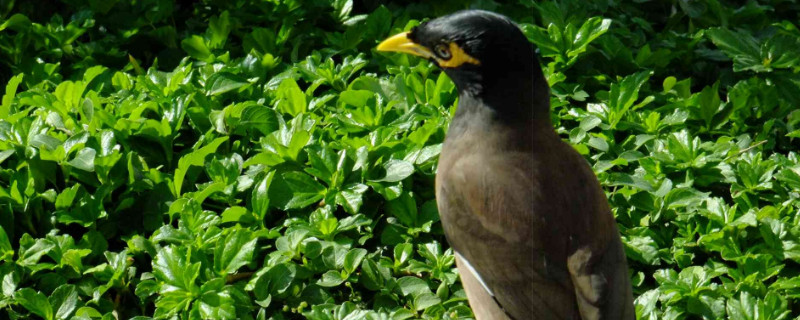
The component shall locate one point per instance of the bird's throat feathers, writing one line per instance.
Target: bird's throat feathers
(511, 97)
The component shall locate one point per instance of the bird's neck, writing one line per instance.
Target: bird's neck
(477, 115)
(517, 95)
(515, 98)
(515, 102)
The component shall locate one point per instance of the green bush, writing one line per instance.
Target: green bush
(260, 160)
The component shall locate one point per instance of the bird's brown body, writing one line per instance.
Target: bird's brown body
(532, 230)
(528, 214)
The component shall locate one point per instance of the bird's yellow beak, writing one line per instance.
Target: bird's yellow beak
(401, 43)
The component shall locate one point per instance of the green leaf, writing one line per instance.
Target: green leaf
(589, 31)
(539, 36)
(404, 208)
(396, 170)
(323, 163)
(196, 47)
(648, 302)
(426, 300)
(11, 89)
(64, 300)
(219, 27)
(351, 197)
(740, 46)
(624, 94)
(16, 22)
(263, 119)
(30, 251)
(224, 169)
(643, 249)
(236, 214)
(215, 301)
(275, 281)
(6, 251)
(378, 23)
(413, 286)
(35, 302)
(235, 251)
(356, 98)
(262, 40)
(333, 256)
(5, 154)
(195, 158)
(353, 259)
(708, 104)
(260, 198)
(342, 9)
(10, 284)
(402, 252)
(222, 82)
(84, 160)
(331, 278)
(291, 99)
(780, 52)
(747, 307)
(373, 276)
(171, 267)
(295, 190)
(171, 303)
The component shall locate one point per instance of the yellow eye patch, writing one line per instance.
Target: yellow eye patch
(402, 43)
(457, 58)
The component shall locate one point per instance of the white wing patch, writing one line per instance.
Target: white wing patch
(474, 273)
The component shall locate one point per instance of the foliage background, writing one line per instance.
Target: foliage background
(258, 159)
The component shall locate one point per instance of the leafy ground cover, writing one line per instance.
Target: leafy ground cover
(258, 159)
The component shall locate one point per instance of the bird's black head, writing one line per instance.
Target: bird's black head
(484, 53)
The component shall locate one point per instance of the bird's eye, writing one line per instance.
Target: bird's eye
(442, 51)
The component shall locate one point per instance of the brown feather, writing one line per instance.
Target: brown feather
(528, 214)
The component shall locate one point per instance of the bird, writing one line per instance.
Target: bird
(530, 225)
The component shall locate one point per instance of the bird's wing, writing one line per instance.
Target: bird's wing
(596, 258)
(602, 284)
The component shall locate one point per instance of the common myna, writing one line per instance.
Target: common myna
(532, 230)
